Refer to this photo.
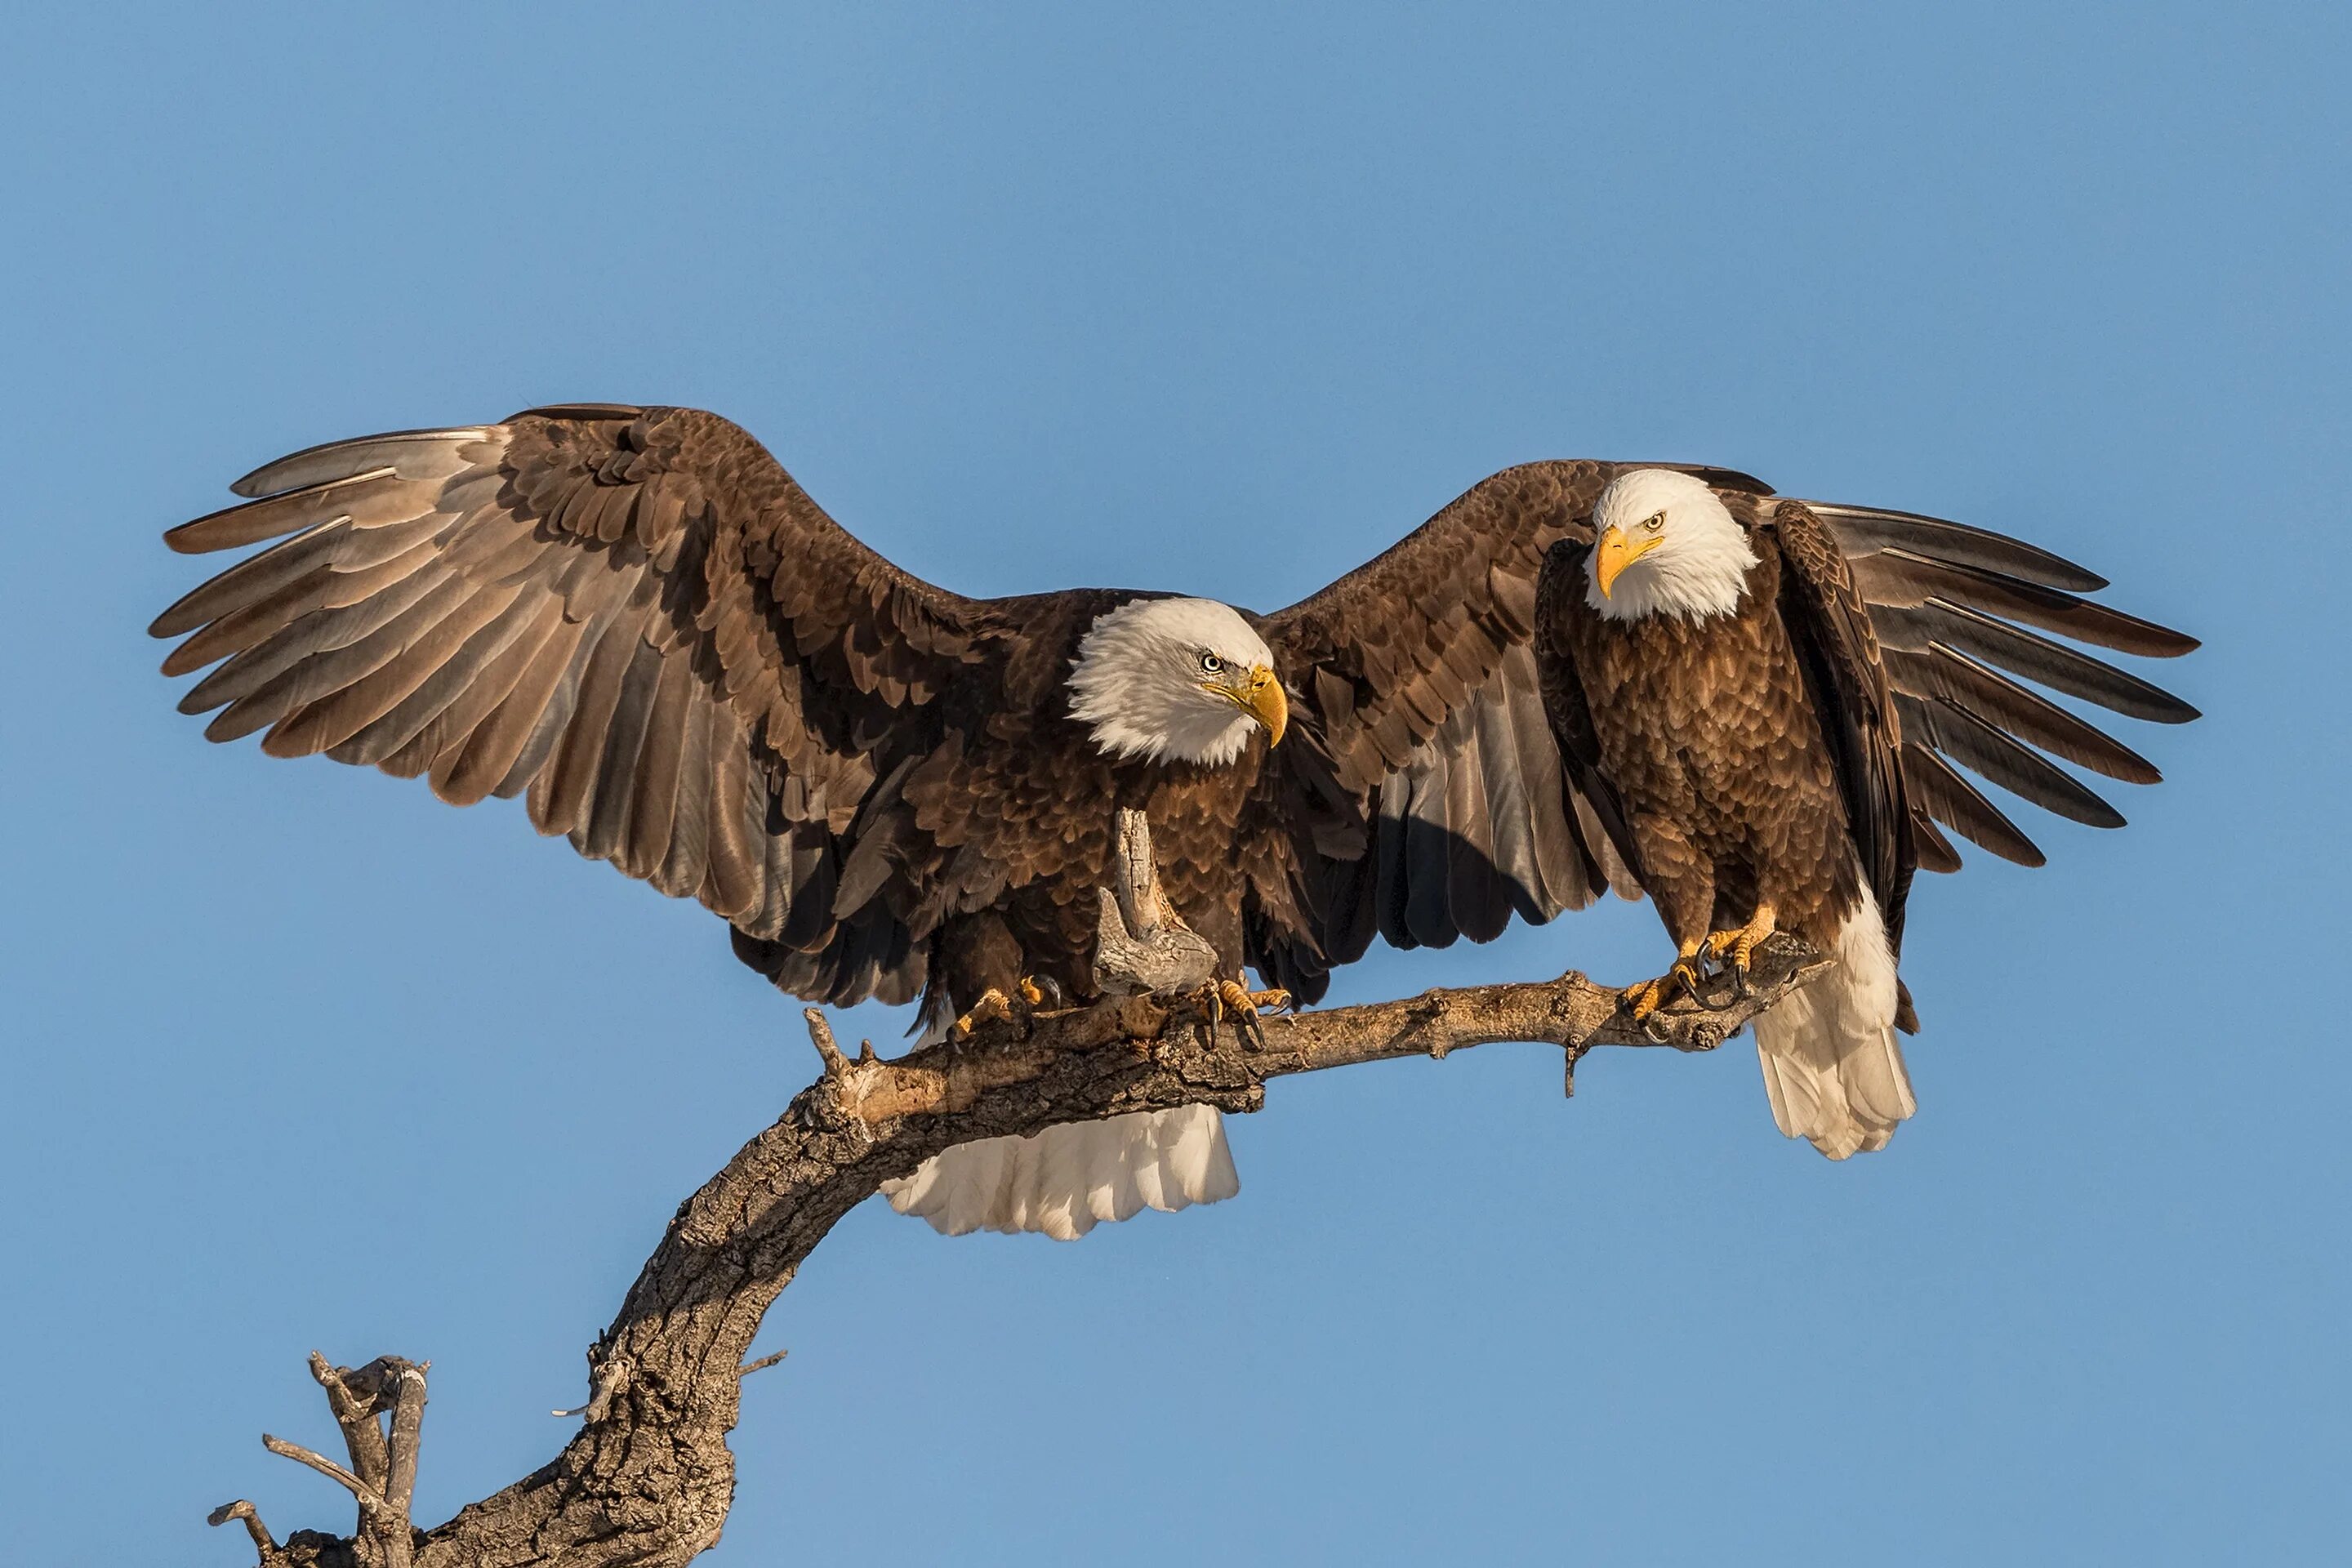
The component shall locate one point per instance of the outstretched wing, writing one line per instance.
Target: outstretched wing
(633, 617)
(1441, 804)
(1829, 624)
(1952, 608)
(1451, 808)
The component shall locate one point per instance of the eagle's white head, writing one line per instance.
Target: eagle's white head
(1175, 680)
(1665, 545)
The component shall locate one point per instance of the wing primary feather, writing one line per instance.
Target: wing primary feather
(1900, 577)
(437, 710)
(347, 550)
(1969, 740)
(1862, 528)
(409, 453)
(256, 521)
(1950, 799)
(337, 718)
(1936, 851)
(2020, 652)
(303, 677)
(1940, 673)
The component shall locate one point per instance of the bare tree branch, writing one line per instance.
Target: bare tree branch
(371, 1459)
(647, 1478)
(369, 1500)
(263, 1542)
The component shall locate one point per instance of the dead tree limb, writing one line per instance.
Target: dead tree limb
(648, 1477)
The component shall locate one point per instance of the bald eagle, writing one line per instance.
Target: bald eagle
(1759, 694)
(637, 621)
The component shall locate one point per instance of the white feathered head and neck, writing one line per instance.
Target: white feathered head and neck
(1665, 545)
(1181, 680)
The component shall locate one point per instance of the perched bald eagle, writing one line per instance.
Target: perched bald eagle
(636, 620)
(1713, 672)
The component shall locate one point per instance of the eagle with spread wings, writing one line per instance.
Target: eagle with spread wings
(637, 621)
(1761, 695)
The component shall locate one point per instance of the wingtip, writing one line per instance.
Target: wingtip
(298, 470)
(1940, 538)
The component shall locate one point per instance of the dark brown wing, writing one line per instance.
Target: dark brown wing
(1953, 608)
(1442, 802)
(1408, 665)
(1565, 703)
(1830, 627)
(636, 616)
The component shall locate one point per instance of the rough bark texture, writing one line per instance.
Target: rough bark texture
(648, 1477)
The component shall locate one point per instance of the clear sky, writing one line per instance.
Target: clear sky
(1034, 296)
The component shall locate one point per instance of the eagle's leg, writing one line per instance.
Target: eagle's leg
(1651, 995)
(1739, 942)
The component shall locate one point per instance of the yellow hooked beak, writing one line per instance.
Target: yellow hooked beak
(1616, 553)
(1256, 692)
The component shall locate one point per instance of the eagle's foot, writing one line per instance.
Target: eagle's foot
(1740, 945)
(1222, 998)
(995, 1007)
(1652, 994)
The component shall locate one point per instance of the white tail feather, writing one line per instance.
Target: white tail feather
(1064, 1179)
(1831, 1067)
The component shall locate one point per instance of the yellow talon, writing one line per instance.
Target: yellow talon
(1231, 998)
(993, 1007)
(1030, 992)
(1651, 995)
(1642, 1000)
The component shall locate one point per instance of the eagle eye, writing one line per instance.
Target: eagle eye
(1212, 665)
(1654, 521)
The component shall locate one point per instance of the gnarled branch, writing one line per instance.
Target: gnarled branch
(648, 1477)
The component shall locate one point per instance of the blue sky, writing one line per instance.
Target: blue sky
(1027, 297)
